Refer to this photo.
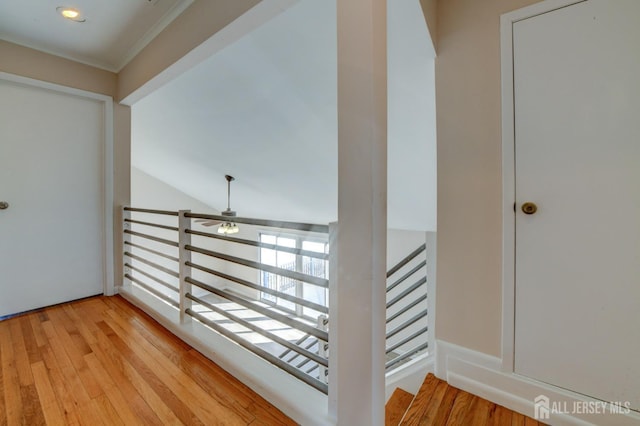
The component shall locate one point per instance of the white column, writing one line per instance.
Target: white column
(184, 239)
(357, 341)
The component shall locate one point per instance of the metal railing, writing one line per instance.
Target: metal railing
(214, 279)
(406, 309)
(218, 279)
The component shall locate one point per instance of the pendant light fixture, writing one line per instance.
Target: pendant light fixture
(228, 227)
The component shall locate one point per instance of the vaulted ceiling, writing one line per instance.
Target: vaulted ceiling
(264, 110)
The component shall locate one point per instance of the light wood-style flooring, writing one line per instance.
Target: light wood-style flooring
(439, 404)
(101, 361)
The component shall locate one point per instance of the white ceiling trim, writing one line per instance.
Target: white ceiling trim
(34, 46)
(168, 17)
(156, 29)
(245, 24)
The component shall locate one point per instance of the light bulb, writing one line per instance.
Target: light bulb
(70, 14)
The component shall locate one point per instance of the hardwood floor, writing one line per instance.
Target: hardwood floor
(437, 403)
(103, 361)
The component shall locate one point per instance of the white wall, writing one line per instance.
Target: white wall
(400, 243)
(151, 193)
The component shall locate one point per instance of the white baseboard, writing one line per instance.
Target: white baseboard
(409, 376)
(296, 399)
(482, 375)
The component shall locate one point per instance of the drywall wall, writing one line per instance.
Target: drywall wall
(20, 60)
(469, 301)
(430, 10)
(150, 193)
(121, 178)
(195, 25)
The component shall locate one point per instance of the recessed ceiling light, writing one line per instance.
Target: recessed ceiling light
(70, 13)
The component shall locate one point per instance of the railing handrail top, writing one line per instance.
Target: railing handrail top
(299, 226)
(406, 260)
(152, 211)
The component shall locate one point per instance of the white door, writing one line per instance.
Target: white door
(50, 175)
(577, 155)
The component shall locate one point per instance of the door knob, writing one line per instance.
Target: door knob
(4, 205)
(529, 208)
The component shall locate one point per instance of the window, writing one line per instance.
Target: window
(294, 253)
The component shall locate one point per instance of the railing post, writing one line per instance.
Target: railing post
(359, 338)
(126, 238)
(323, 349)
(184, 255)
(334, 315)
(430, 241)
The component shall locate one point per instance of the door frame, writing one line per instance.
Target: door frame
(107, 168)
(508, 170)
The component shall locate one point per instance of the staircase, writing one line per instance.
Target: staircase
(438, 403)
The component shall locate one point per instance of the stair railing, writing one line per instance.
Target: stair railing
(406, 308)
(209, 277)
(193, 271)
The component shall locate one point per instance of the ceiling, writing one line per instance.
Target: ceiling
(113, 33)
(264, 110)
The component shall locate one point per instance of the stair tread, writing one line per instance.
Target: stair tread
(438, 403)
(396, 407)
(421, 401)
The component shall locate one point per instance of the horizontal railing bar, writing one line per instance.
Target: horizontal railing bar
(153, 291)
(147, 249)
(150, 276)
(407, 275)
(406, 324)
(406, 292)
(290, 360)
(317, 384)
(308, 346)
(152, 264)
(406, 260)
(311, 343)
(164, 212)
(305, 328)
(320, 282)
(407, 340)
(303, 363)
(155, 225)
(292, 250)
(310, 227)
(260, 331)
(404, 356)
(267, 290)
(299, 341)
(152, 238)
(406, 308)
(311, 369)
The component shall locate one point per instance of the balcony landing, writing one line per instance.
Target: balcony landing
(102, 360)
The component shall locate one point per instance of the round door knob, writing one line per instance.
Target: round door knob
(529, 208)
(4, 205)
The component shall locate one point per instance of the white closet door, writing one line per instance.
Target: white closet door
(50, 174)
(577, 145)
